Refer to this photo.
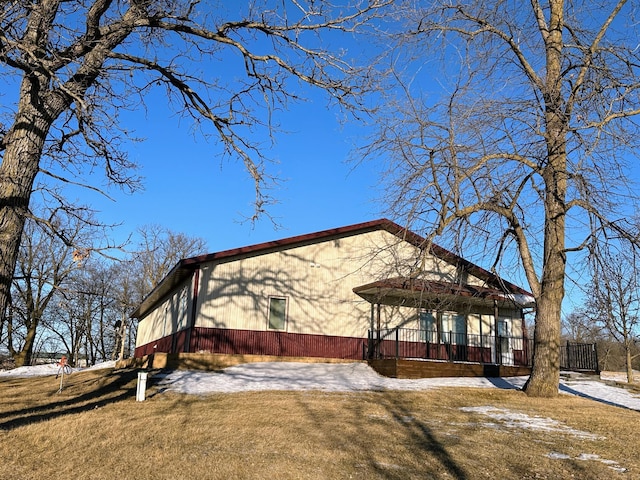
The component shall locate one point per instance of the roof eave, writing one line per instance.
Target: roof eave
(408, 292)
(176, 275)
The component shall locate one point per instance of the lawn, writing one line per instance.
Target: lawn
(94, 429)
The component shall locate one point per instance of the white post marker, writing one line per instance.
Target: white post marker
(142, 386)
(63, 367)
(61, 381)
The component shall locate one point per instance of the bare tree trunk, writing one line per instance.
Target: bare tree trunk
(17, 174)
(20, 164)
(627, 348)
(545, 374)
(24, 356)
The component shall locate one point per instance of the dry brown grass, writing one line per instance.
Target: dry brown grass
(95, 429)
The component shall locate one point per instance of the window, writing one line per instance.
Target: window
(428, 327)
(504, 333)
(505, 340)
(277, 313)
(454, 328)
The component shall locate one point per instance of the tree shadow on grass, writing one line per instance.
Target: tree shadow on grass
(423, 436)
(25, 401)
(564, 388)
(433, 460)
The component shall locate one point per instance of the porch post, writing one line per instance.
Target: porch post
(371, 345)
(496, 338)
(397, 342)
(378, 322)
(525, 339)
(481, 340)
(372, 326)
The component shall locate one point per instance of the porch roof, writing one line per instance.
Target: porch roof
(415, 292)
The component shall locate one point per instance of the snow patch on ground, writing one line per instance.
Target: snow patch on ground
(328, 377)
(342, 377)
(48, 369)
(352, 377)
(620, 376)
(613, 465)
(505, 418)
(601, 392)
(509, 419)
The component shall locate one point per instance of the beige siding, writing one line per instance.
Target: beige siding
(170, 316)
(316, 279)
(438, 270)
(516, 322)
(473, 324)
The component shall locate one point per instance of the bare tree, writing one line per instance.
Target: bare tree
(76, 64)
(580, 327)
(44, 267)
(158, 249)
(613, 299)
(67, 325)
(90, 311)
(510, 137)
(87, 311)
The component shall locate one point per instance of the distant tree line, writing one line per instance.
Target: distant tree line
(610, 314)
(77, 301)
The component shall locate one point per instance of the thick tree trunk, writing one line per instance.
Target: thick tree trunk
(25, 355)
(20, 165)
(545, 374)
(17, 174)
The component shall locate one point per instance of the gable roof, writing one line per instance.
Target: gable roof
(185, 267)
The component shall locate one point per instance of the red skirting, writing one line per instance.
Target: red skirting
(250, 342)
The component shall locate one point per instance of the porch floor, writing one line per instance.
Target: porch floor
(405, 368)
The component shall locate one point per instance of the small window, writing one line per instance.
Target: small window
(277, 313)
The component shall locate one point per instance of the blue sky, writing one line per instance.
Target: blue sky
(190, 188)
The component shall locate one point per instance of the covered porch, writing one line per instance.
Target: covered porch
(446, 329)
(496, 348)
(449, 347)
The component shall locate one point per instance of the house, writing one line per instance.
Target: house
(372, 290)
